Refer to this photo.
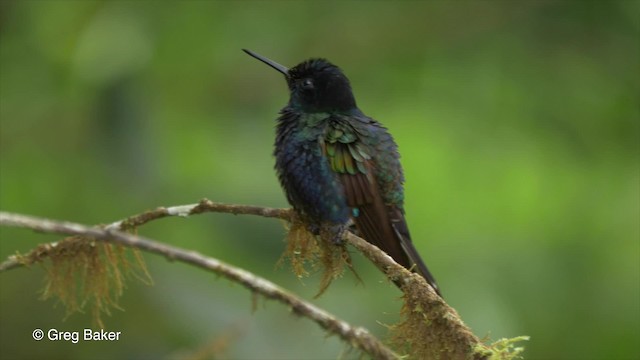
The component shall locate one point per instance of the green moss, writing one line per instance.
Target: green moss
(320, 253)
(503, 349)
(85, 273)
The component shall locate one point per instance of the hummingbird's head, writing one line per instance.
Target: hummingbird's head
(315, 85)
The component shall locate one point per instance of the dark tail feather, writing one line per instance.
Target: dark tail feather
(383, 226)
(417, 263)
(390, 233)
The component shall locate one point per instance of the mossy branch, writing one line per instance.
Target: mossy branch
(430, 330)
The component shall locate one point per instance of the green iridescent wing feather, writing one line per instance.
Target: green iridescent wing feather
(378, 218)
(350, 159)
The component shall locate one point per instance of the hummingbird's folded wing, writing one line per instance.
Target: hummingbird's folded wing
(381, 224)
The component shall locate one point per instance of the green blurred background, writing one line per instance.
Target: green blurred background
(518, 122)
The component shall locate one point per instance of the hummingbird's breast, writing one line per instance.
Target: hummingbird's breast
(303, 170)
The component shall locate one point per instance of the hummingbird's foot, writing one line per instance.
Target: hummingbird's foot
(314, 229)
(351, 226)
(334, 233)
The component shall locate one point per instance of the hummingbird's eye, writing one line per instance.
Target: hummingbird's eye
(307, 84)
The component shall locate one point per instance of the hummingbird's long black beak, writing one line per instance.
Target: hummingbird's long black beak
(273, 64)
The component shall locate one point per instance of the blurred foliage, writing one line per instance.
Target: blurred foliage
(518, 122)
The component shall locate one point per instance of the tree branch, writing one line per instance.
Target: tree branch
(204, 206)
(431, 329)
(358, 337)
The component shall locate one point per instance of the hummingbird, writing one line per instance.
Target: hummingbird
(339, 167)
